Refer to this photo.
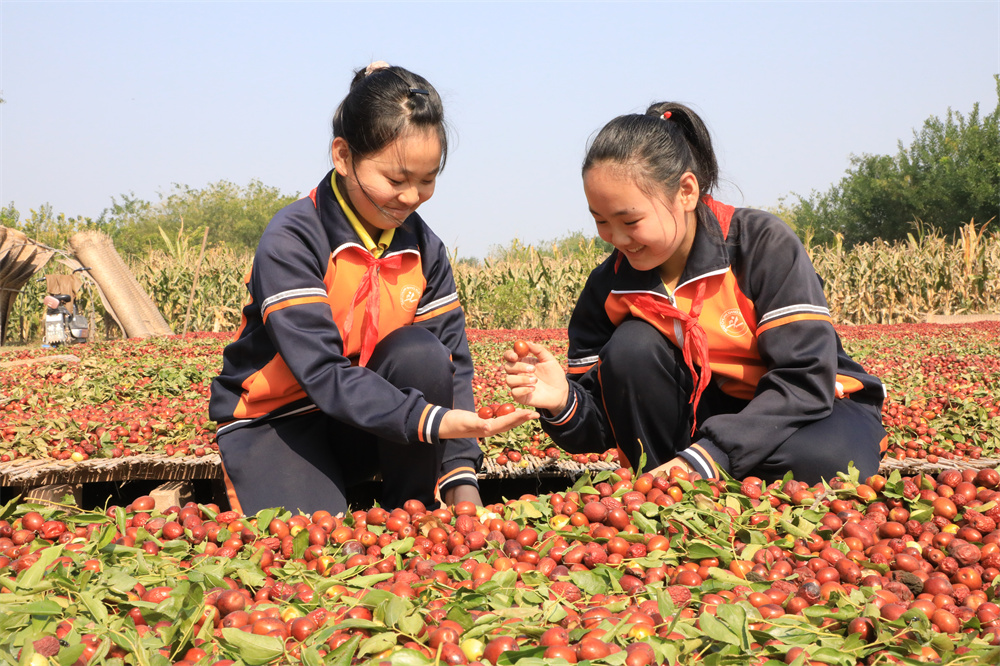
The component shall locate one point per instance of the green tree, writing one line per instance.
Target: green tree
(124, 214)
(575, 244)
(9, 216)
(235, 216)
(948, 175)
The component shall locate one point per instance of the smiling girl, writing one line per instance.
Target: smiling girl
(704, 341)
(351, 359)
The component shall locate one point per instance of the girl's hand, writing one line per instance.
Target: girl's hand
(541, 384)
(459, 423)
(664, 469)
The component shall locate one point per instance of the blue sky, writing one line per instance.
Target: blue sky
(106, 98)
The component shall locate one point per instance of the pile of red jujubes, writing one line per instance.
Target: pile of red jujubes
(150, 396)
(616, 570)
(121, 398)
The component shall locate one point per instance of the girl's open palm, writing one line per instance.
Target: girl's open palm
(538, 382)
(460, 423)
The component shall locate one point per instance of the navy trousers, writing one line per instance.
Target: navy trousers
(646, 388)
(307, 462)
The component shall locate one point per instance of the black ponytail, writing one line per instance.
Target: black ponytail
(657, 148)
(384, 104)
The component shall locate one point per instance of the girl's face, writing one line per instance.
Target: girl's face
(386, 187)
(651, 231)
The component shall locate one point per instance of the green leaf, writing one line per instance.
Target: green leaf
(583, 482)
(533, 578)
(642, 463)
(735, 617)
(464, 620)
(120, 519)
(300, 542)
(343, 655)
(699, 550)
(505, 579)
(408, 657)
(69, 655)
(389, 611)
(398, 547)
(360, 624)
(8, 509)
(410, 624)
(264, 519)
(794, 530)
(107, 535)
(43, 607)
(252, 648)
(96, 609)
(310, 657)
(30, 578)
(529, 657)
(361, 582)
(716, 630)
(527, 510)
(248, 572)
(377, 643)
(589, 582)
(645, 525)
(121, 582)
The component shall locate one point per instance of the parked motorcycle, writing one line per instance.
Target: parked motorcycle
(64, 324)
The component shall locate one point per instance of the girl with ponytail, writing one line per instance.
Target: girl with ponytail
(704, 341)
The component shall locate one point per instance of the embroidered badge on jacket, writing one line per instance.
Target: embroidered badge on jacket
(732, 323)
(409, 297)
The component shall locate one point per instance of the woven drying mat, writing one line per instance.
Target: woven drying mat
(913, 466)
(34, 473)
(533, 466)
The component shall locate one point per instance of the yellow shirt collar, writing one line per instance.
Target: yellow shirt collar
(377, 249)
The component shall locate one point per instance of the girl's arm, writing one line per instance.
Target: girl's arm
(440, 312)
(575, 418)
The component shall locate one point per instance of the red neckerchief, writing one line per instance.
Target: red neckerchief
(695, 339)
(369, 288)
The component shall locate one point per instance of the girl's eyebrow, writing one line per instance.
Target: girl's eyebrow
(619, 213)
(407, 172)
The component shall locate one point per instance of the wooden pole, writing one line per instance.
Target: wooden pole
(194, 283)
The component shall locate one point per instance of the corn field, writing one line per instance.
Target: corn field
(901, 283)
(529, 287)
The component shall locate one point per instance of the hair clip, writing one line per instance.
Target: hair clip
(419, 91)
(666, 115)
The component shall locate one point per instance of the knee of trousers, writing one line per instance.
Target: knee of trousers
(635, 350)
(413, 357)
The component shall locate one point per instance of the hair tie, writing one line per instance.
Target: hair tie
(666, 115)
(419, 91)
(375, 66)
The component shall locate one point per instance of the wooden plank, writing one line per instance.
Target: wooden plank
(55, 494)
(960, 319)
(172, 493)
